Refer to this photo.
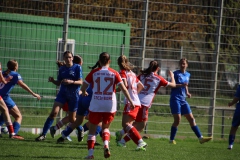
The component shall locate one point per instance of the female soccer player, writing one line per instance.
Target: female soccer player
(82, 113)
(77, 60)
(13, 77)
(152, 82)
(236, 118)
(103, 104)
(134, 86)
(5, 114)
(70, 78)
(178, 104)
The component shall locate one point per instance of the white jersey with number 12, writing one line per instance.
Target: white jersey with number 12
(103, 81)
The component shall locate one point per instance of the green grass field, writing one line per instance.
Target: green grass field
(185, 149)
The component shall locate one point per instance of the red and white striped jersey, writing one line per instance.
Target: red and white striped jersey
(151, 84)
(103, 81)
(132, 82)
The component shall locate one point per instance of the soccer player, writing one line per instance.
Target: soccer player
(134, 86)
(236, 118)
(103, 105)
(13, 77)
(70, 79)
(152, 82)
(5, 114)
(77, 60)
(178, 104)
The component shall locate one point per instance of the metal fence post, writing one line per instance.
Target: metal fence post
(215, 71)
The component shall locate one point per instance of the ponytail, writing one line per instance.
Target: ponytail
(153, 65)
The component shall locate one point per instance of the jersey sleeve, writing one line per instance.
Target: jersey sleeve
(89, 78)
(118, 78)
(122, 73)
(163, 82)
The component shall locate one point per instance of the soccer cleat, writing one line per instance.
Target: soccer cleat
(40, 138)
(140, 149)
(16, 137)
(89, 157)
(118, 136)
(204, 139)
(106, 152)
(80, 134)
(69, 138)
(60, 140)
(172, 142)
(141, 146)
(121, 144)
(230, 147)
(52, 131)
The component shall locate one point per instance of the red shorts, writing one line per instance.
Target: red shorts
(139, 114)
(97, 117)
(131, 112)
(0, 98)
(65, 107)
(142, 115)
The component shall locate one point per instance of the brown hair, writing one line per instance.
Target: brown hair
(104, 57)
(183, 59)
(153, 65)
(95, 66)
(67, 52)
(11, 65)
(124, 64)
(76, 59)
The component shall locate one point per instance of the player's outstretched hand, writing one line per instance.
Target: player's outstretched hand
(37, 96)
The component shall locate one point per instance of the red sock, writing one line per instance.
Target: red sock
(127, 138)
(91, 141)
(106, 135)
(134, 135)
(10, 129)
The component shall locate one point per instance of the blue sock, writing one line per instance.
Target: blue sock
(1, 120)
(16, 127)
(197, 131)
(85, 127)
(79, 128)
(231, 139)
(98, 131)
(47, 125)
(67, 131)
(173, 132)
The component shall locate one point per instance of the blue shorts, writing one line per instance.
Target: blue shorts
(236, 117)
(71, 99)
(9, 102)
(83, 105)
(180, 107)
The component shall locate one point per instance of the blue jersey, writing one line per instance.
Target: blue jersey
(179, 93)
(237, 94)
(72, 73)
(12, 79)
